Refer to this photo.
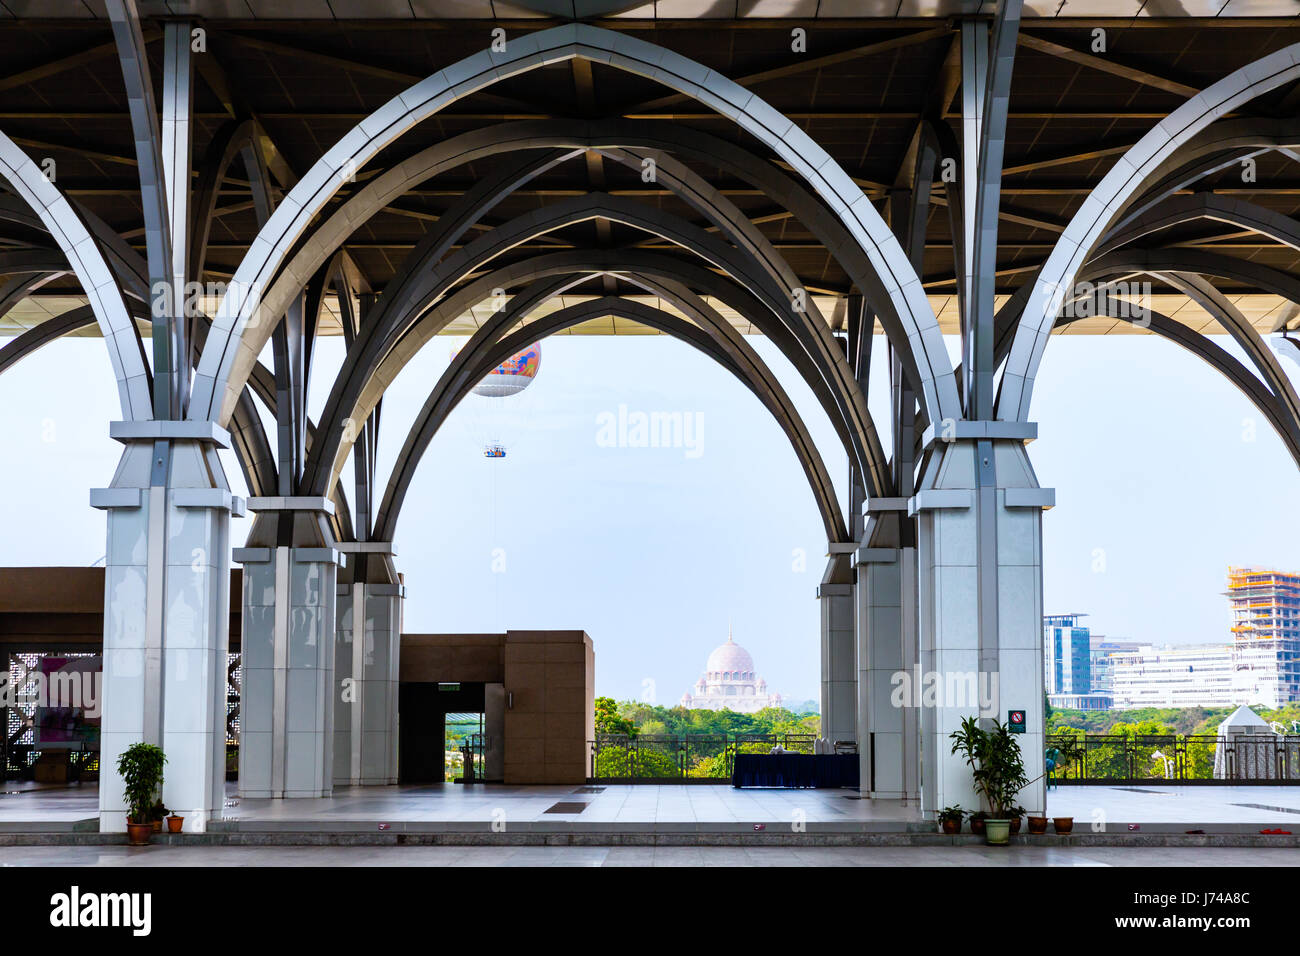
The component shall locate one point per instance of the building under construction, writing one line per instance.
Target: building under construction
(1266, 632)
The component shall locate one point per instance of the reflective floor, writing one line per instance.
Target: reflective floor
(1275, 806)
(642, 856)
(674, 807)
(670, 807)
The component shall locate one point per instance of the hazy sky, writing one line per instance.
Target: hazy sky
(1164, 475)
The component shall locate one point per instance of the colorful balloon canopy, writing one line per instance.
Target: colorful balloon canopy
(513, 375)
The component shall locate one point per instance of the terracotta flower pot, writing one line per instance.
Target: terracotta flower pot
(977, 825)
(1015, 825)
(951, 826)
(1063, 824)
(174, 823)
(138, 833)
(157, 826)
(1038, 825)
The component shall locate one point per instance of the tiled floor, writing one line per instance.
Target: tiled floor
(642, 856)
(1274, 806)
(684, 806)
(675, 807)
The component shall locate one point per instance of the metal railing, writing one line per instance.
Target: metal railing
(1176, 759)
(690, 758)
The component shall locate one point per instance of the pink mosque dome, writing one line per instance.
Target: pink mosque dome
(731, 660)
(730, 683)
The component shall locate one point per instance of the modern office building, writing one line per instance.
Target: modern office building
(1067, 663)
(1187, 675)
(1266, 633)
(1101, 656)
(1080, 701)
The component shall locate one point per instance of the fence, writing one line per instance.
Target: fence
(1181, 759)
(617, 758)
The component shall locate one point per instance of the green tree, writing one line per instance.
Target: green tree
(609, 721)
(631, 762)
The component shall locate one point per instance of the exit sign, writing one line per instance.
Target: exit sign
(1016, 721)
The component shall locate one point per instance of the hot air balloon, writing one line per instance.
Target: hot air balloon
(498, 390)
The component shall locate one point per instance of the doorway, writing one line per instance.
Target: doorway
(436, 720)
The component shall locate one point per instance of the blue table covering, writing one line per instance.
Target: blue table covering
(795, 770)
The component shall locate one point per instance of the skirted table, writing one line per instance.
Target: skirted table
(795, 770)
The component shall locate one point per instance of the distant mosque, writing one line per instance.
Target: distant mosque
(729, 683)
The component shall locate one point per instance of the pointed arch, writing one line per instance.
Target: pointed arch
(487, 349)
(217, 381)
(107, 302)
(1132, 172)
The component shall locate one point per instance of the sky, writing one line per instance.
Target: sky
(1164, 476)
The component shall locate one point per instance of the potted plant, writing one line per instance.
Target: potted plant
(1063, 824)
(1037, 825)
(950, 819)
(141, 769)
(1017, 813)
(157, 814)
(977, 821)
(175, 822)
(998, 770)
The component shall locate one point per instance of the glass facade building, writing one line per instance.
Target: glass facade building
(1067, 660)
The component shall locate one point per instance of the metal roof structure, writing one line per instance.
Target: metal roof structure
(308, 70)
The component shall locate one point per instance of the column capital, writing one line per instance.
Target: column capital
(167, 430)
(866, 555)
(877, 505)
(292, 503)
(104, 499)
(935, 499)
(1044, 498)
(264, 555)
(951, 430)
(834, 590)
(366, 547)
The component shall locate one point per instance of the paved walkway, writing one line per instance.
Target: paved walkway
(671, 807)
(1275, 806)
(684, 807)
(643, 856)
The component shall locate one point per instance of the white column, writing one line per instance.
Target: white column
(839, 678)
(979, 555)
(887, 661)
(286, 715)
(366, 669)
(166, 615)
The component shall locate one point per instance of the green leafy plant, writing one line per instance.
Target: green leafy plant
(141, 769)
(996, 764)
(952, 814)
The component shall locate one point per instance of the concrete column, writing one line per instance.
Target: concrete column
(370, 598)
(887, 660)
(286, 715)
(166, 614)
(980, 583)
(839, 660)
